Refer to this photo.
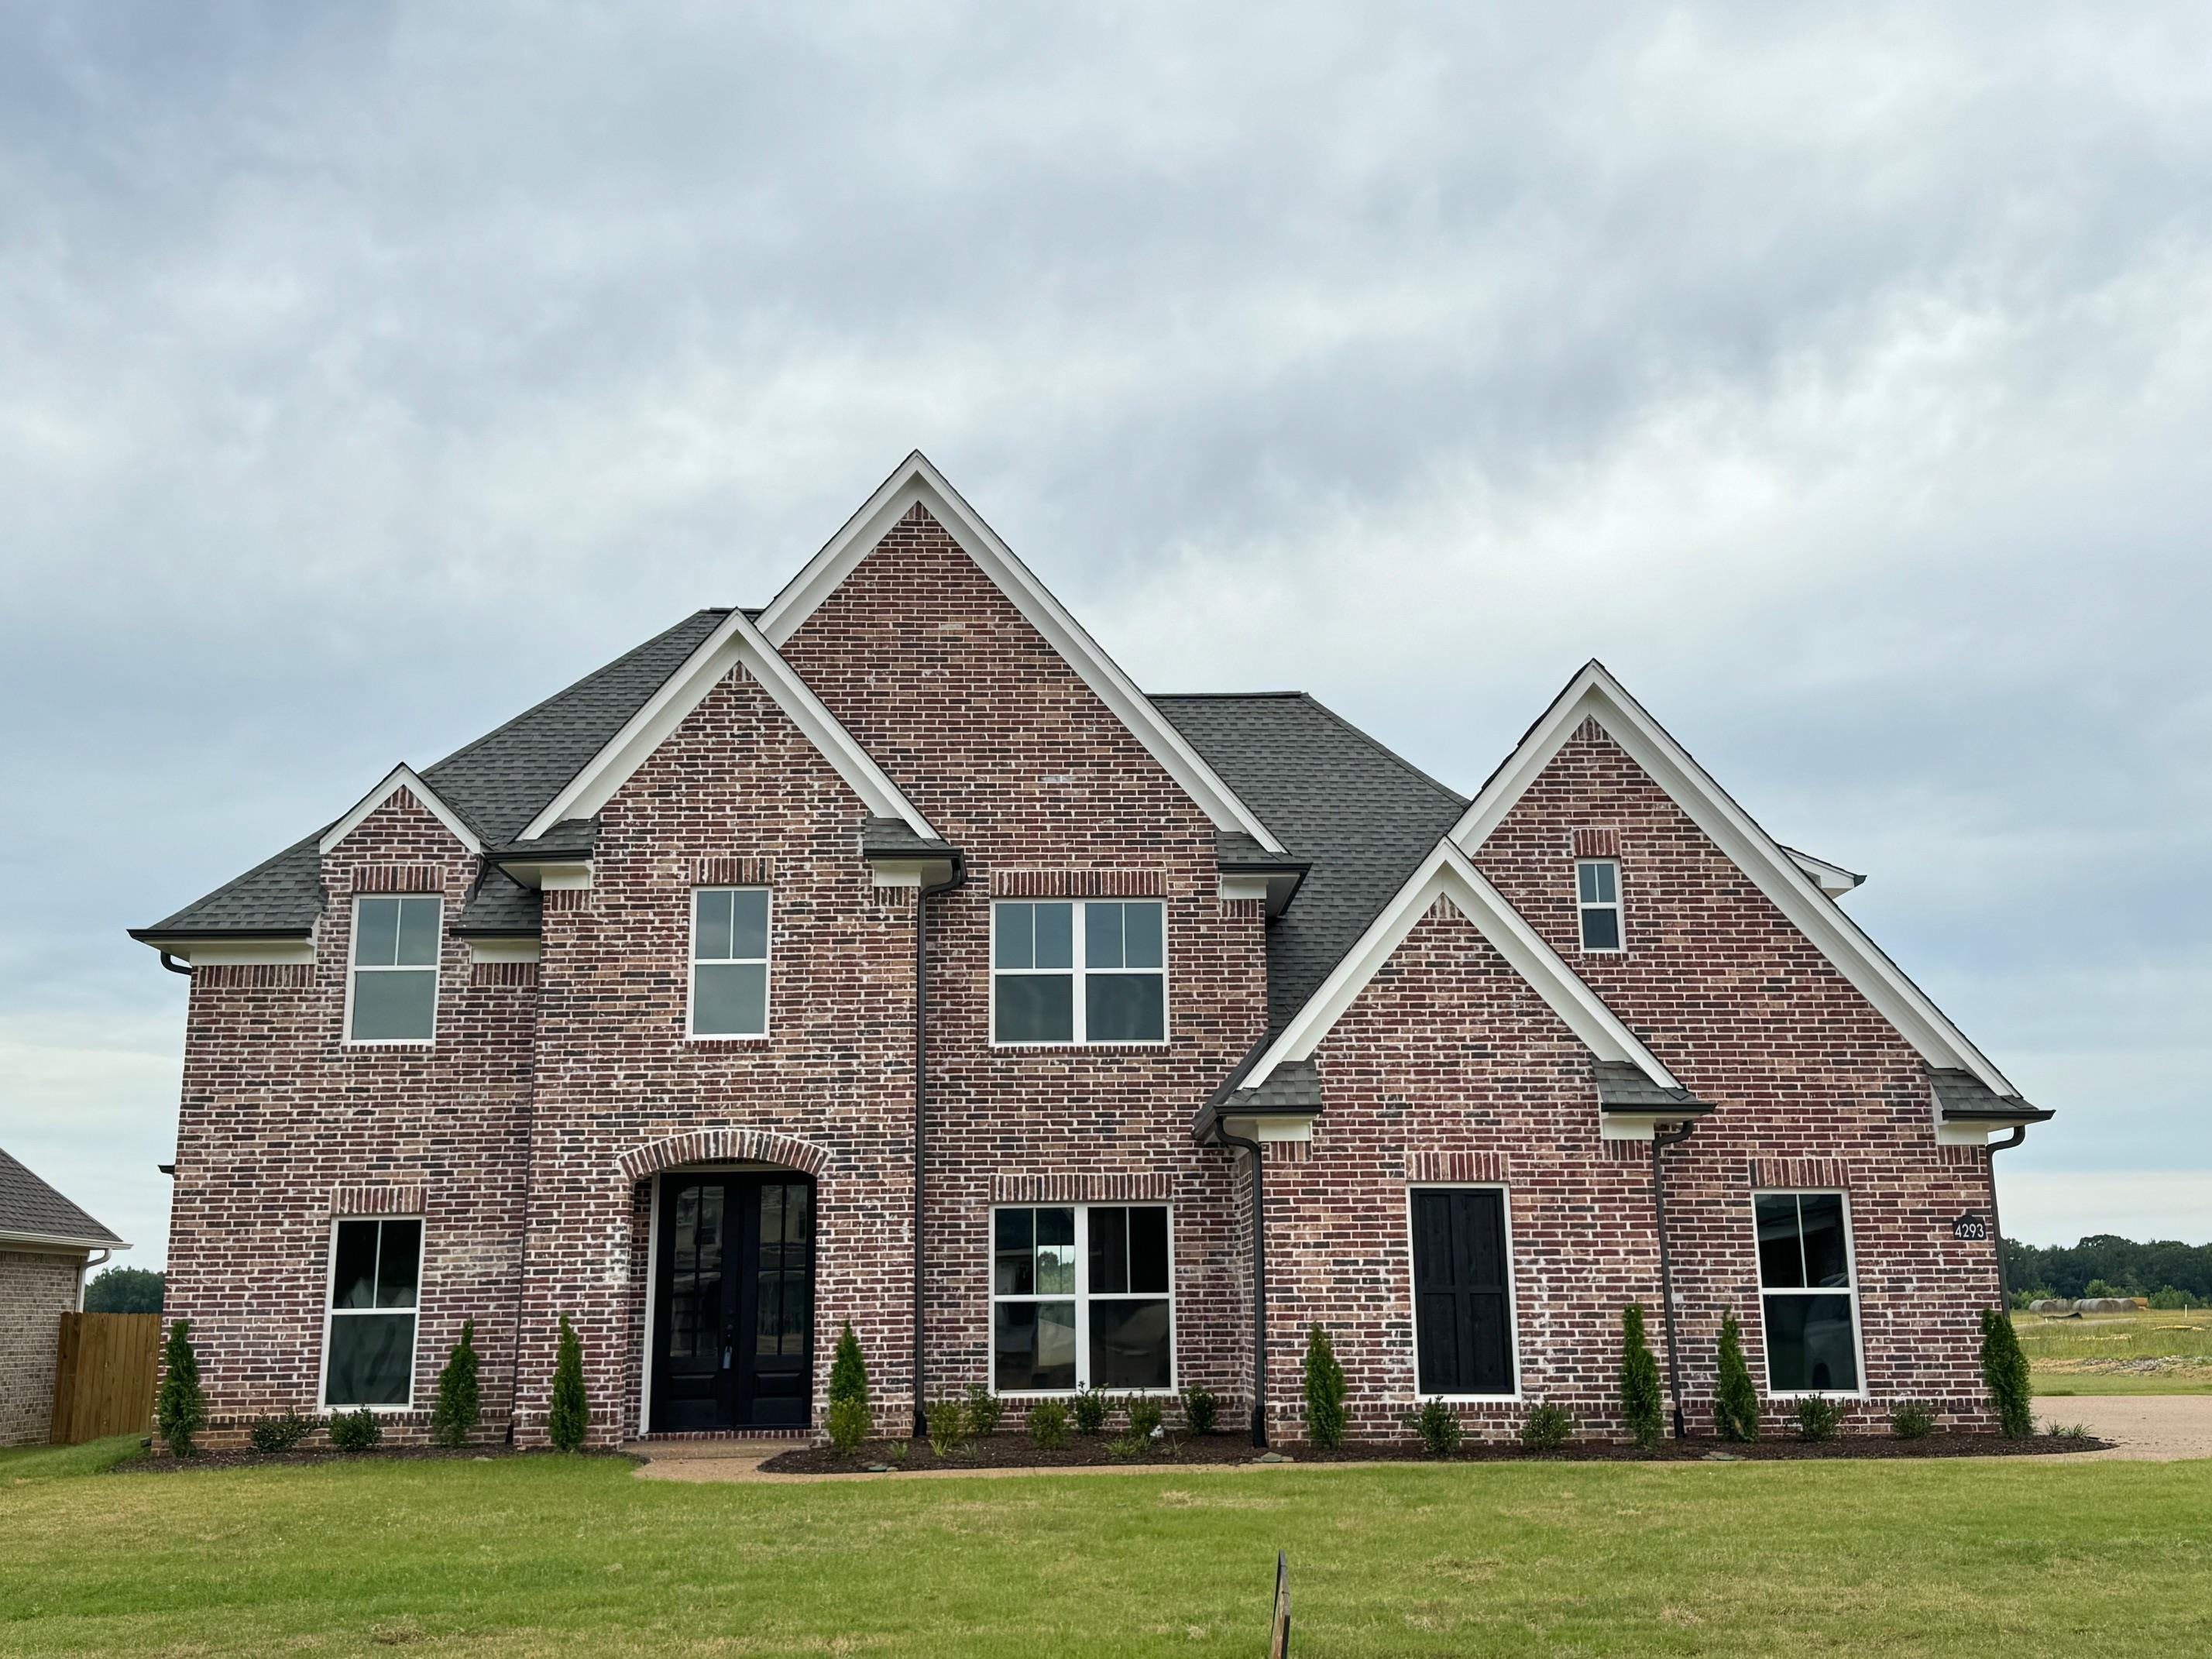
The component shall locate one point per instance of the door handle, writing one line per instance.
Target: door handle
(726, 1358)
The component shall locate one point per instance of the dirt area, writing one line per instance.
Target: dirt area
(2153, 1427)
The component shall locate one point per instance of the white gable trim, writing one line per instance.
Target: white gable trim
(916, 481)
(403, 777)
(736, 641)
(1831, 878)
(1447, 874)
(1594, 694)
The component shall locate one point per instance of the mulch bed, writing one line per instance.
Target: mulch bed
(245, 1457)
(1009, 1451)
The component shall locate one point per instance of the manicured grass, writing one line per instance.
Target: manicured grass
(2016, 1557)
(19, 1463)
(2158, 1351)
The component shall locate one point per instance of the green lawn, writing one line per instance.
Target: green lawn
(2156, 1352)
(545, 1554)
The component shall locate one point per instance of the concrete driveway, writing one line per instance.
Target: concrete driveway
(2155, 1427)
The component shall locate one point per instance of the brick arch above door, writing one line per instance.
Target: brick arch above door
(723, 1147)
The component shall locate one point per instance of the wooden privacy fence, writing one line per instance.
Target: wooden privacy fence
(104, 1375)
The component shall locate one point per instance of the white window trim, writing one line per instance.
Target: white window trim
(691, 1032)
(1512, 1293)
(1081, 1297)
(436, 969)
(1078, 971)
(1850, 1273)
(1618, 907)
(330, 1291)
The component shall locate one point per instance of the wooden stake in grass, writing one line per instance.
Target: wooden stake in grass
(569, 1419)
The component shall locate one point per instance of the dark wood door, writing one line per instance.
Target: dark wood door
(733, 1322)
(1463, 1309)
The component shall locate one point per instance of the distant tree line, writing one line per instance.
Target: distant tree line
(123, 1290)
(2106, 1265)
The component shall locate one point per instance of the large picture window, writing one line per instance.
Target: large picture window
(1069, 972)
(1808, 1296)
(1082, 1296)
(1463, 1292)
(392, 991)
(729, 962)
(368, 1340)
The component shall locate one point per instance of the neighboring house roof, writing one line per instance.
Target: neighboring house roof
(32, 1211)
(1362, 817)
(1594, 694)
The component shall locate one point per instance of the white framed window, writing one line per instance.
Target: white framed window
(1807, 1293)
(1597, 901)
(391, 992)
(1066, 971)
(1082, 1296)
(1466, 1336)
(369, 1315)
(729, 962)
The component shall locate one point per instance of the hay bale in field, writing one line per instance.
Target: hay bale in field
(2056, 1307)
(2089, 1304)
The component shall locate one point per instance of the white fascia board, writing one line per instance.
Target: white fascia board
(916, 481)
(1446, 873)
(736, 640)
(506, 950)
(1594, 694)
(59, 1244)
(244, 951)
(1831, 878)
(402, 776)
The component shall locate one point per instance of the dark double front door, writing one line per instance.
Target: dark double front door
(734, 1304)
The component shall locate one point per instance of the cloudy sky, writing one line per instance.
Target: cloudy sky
(1843, 381)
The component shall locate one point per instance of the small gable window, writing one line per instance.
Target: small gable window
(1597, 898)
(729, 962)
(1074, 971)
(391, 995)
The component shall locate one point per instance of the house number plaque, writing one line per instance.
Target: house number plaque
(1970, 1227)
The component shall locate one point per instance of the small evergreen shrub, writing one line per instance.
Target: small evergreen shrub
(848, 1372)
(1438, 1426)
(1048, 1423)
(948, 1426)
(1735, 1408)
(280, 1434)
(1912, 1420)
(1199, 1410)
(355, 1431)
(1089, 1409)
(1548, 1428)
(1325, 1391)
(848, 1424)
(984, 1410)
(458, 1408)
(1145, 1416)
(568, 1420)
(180, 1407)
(1817, 1417)
(2004, 1369)
(1640, 1402)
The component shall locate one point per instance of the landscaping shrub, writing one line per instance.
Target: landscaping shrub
(459, 1407)
(849, 1421)
(1817, 1417)
(1548, 1428)
(180, 1408)
(1145, 1415)
(1199, 1410)
(1089, 1410)
(1912, 1420)
(569, 1419)
(280, 1434)
(2068, 1430)
(948, 1426)
(1325, 1391)
(848, 1424)
(1438, 1426)
(1735, 1411)
(1640, 1402)
(983, 1411)
(1048, 1423)
(2004, 1369)
(355, 1431)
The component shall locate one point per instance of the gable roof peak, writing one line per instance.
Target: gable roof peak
(403, 776)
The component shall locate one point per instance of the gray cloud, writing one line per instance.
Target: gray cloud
(1845, 381)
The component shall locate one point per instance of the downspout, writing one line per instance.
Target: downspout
(922, 896)
(170, 963)
(1667, 1269)
(1996, 1233)
(1259, 1283)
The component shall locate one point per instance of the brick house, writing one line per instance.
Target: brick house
(46, 1243)
(1197, 1015)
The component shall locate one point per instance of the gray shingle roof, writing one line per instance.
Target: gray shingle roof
(30, 1208)
(1965, 1098)
(1333, 796)
(1622, 1087)
(882, 838)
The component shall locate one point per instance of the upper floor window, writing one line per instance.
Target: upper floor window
(368, 1337)
(392, 991)
(729, 962)
(1070, 971)
(1807, 1300)
(1597, 897)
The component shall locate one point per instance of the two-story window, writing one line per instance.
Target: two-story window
(1082, 1296)
(1808, 1298)
(391, 993)
(368, 1330)
(1083, 970)
(729, 962)
(1597, 902)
